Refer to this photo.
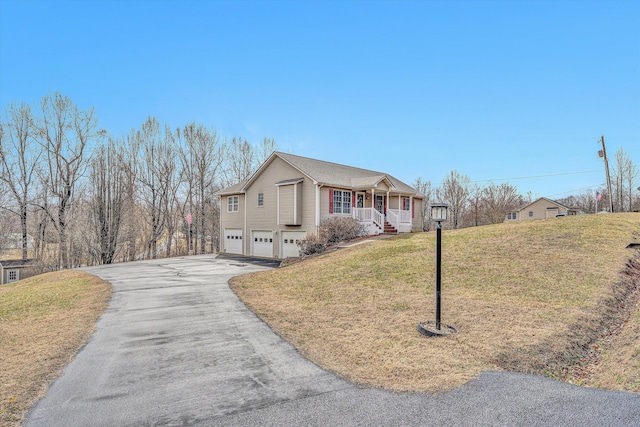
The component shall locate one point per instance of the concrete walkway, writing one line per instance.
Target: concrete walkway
(176, 347)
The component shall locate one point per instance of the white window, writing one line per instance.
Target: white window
(530, 213)
(341, 202)
(233, 203)
(260, 200)
(406, 204)
(12, 276)
(512, 215)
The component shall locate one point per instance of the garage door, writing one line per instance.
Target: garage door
(290, 243)
(262, 243)
(233, 241)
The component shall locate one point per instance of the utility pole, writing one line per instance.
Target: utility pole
(603, 154)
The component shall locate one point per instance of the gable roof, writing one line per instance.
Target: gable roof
(328, 174)
(16, 263)
(544, 198)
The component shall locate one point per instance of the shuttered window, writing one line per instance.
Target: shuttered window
(340, 202)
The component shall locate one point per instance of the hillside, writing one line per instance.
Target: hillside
(533, 297)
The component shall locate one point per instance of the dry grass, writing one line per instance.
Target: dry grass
(530, 296)
(44, 320)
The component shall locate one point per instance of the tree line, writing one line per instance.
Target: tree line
(72, 194)
(472, 205)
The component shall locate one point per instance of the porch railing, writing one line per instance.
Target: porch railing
(392, 218)
(369, 215)
(403, 216)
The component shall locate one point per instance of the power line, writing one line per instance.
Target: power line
(579, 189)
(537, 176)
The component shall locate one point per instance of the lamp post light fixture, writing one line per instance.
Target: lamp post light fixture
(439, 213)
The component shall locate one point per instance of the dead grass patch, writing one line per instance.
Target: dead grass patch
(44, 320)
(528, 296)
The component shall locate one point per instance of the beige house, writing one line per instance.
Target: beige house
(288, 197)
(539, 209)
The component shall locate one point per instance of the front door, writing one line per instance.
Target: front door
(380, 204)
(360, 200)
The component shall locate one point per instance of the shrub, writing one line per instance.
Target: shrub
(338, 229)
(312, 244)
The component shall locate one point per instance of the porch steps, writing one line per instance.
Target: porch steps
(389, 229)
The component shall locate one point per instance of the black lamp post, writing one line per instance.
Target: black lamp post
(439, 215)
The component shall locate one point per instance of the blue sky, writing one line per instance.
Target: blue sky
(492, 89)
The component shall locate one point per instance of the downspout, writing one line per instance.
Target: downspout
(244, 236)
(318, 186)
(220, 236)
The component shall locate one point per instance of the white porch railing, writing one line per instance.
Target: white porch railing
(369, 215)
(404, 217)
(392, 218)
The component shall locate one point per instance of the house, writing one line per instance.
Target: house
(288, 196)
(539, 209)
(12, 270)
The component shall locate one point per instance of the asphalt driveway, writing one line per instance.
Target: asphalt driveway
(176, 347)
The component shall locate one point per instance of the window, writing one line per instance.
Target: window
(233, 203)
(13, 276)
(260, 200)
(512, 215)
(406, 204)
(341, 202)
(530, 213)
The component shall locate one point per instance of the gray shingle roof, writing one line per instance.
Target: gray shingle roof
(333, 174)
(339, 175)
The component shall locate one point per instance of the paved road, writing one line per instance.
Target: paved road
(176, 347)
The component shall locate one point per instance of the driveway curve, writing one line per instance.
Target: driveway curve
(177, 347)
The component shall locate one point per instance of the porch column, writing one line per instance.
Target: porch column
(411, 210)
(388, 196)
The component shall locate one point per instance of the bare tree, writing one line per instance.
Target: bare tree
(202, 156)
(19, 157)
(65, 134)
(241, 160)
(625, 177)
(455, 192)
(424, 187)
(156, 173)
(475, 202)
(267, 148)
(497, 200)
(108, 192)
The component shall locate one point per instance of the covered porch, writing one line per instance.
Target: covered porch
(384, 211)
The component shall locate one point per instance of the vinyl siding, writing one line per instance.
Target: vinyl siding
(286, 204)
(539, 209)
(265, 218)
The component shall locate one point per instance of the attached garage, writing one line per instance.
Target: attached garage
(289, 243)
(233, 240)
(262, 243)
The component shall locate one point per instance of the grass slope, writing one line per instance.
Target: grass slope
(532, 296)
(44, 320)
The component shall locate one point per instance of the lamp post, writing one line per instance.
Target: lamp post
(439, 213)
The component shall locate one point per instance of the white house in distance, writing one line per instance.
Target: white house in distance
(539, 209)
(288, 196)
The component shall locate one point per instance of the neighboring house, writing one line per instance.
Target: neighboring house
(539, 209)
(289, 196)
(12, 270)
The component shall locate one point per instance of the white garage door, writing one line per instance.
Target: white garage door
(262, 243)
(233, 240)
(290, 243)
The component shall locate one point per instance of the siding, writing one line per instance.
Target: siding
(286, 204)
(265, 218)
(539, 209)
(417, 217)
